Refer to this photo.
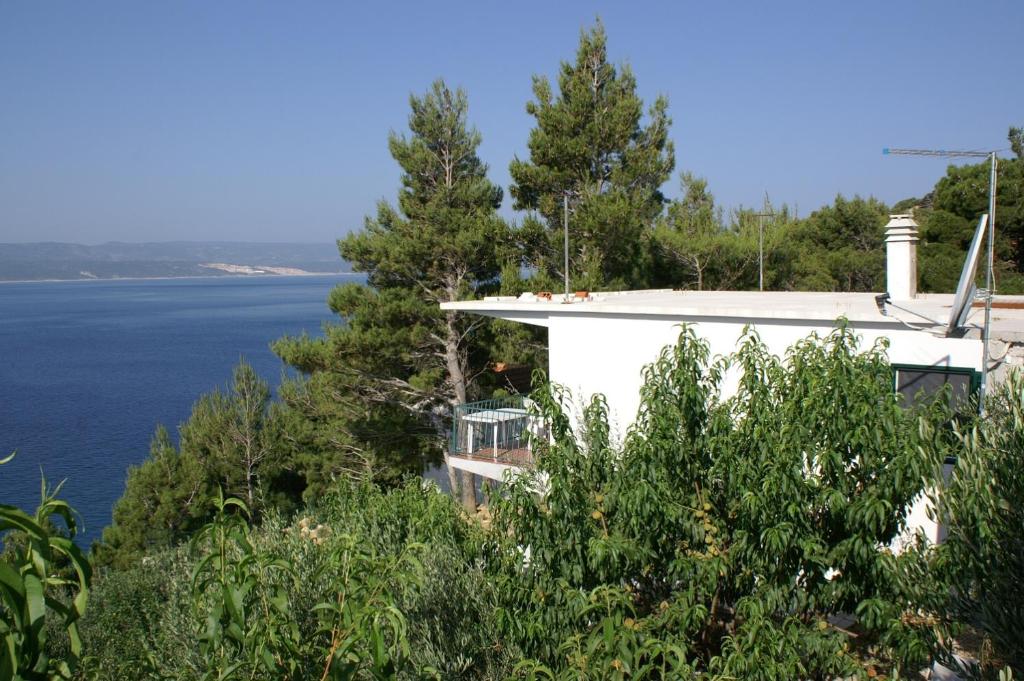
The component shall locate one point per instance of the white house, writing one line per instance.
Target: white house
(600, 342)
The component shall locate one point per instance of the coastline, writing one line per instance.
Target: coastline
(191, 276)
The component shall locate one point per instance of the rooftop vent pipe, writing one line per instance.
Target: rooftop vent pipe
(901, 257)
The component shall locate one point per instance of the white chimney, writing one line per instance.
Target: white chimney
(901, 257)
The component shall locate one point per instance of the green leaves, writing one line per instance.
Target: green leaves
(589, 140)
(231, 440)
(724, 531)
(41, 566)
(982, 560)
(379, 386)
(247, 622)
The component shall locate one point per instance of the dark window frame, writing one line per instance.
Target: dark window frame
(973, 374)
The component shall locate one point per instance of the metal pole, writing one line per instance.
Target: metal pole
(565, 229)
(760, 252)
(765, 213)
(989, 284)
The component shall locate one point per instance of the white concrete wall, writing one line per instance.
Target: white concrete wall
(487, 469)
(605, 354)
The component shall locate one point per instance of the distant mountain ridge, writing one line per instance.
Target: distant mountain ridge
(118, 260)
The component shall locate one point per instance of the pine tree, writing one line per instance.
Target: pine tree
(589, 141)
(398, 350)
(690, 238)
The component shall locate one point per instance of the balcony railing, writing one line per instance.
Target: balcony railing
(496, 430)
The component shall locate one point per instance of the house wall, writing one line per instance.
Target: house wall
(605, 354)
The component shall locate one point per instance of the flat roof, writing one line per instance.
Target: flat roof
(1007, 313)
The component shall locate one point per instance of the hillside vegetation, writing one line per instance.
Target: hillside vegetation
(284, 537)
(699, 548)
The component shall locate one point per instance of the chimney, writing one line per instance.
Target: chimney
(901, 257)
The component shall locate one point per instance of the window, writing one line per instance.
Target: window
(919, 383)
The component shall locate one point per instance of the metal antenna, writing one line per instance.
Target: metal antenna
(989, 275)
(766, 212)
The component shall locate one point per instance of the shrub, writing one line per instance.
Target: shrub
(983, 555)
(125, 617)
(725, 536)
(367, 584)
(44, 588)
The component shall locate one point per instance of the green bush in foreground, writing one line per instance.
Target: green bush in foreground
(39, 566)
(724, 539)
(982, 506)
(370, 584)
(725, 536)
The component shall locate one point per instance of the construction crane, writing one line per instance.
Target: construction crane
(989, 276)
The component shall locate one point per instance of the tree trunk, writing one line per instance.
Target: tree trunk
(469, 491)
(457, 375)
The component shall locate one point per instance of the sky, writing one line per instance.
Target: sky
(268, 121)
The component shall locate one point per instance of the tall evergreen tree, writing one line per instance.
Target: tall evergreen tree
(229, 442)
(1016, 139)
(690, 238)
(589, 141)
(842, 247)
(397, 349)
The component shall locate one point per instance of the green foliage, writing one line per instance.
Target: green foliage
(692, 245)
(846, 241)
(841, 247)
(1016, 138)
(838, 248)
(230, 441)
(589, 140)
(124, 616)
(44, 585)
(983, 555)
(723, 534)
(397, 351)
(369, 584)
(961, 197)
(249, 628)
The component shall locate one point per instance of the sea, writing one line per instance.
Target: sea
(89, 368)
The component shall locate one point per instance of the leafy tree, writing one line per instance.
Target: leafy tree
(165, 499)
(589, 140)
(231, 435)
(983, 555)
(397, 351)
(945, 238)
(690, 236)
(329, 433)
(695, 247)
(724, 533)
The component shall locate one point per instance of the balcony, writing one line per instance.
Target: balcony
(496, 431)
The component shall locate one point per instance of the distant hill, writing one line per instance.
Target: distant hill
(117, 260)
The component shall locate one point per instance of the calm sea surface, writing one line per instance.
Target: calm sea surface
(87, 370)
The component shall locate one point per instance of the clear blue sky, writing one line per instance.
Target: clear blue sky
(141, 121)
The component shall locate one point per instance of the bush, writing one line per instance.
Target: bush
(127, 616)
(725, 536)
(369, 584)
(983, 555)
(44, 588)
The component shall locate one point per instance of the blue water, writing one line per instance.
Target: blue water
(87, 370)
